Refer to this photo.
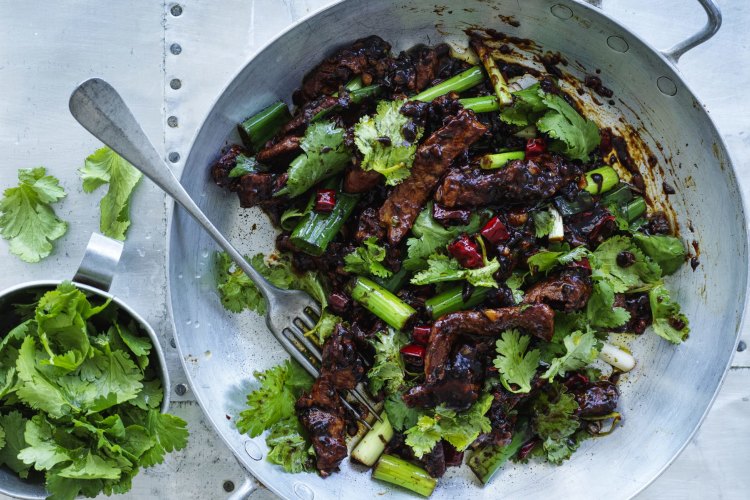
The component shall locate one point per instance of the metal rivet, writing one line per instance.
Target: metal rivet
(173, 343)
(176, 10)
(175, 83)
(175, 48)
(741, 346)
(180, 389)
(174, 157)
(303, 491)
(618, 44)
(561, 11)
(666, 85)
(228, 486)
(172, 121)
(253, 451)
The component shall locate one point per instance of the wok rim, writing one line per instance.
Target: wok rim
(672, 68)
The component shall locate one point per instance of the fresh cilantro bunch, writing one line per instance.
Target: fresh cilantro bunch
(572, 135)
(271, 407)
(27, 220)
(441, 269)
(81, 397)
(380, 139)
(104, 166)
(367, 260)
(555, 422)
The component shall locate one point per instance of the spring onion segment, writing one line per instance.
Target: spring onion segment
(617, 357)
(259, 128)
(452, 300)
(600, 180)
(481, 104)
(499, 160)
(315, 230)
(489, 458)
(496, 77)
(462, 81)
(382, 303)
(402, 473)
(558, 229)
(373, 444)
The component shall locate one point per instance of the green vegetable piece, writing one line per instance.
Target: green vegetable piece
(244, 165)
(13, 425)
(481, 104)
(486, 460)
(452, 300)
(170, 433)
(554, 421)
(499, 160)
(600, 309)
(668, 322)
(372, 445)
(667, 251)
(381, 302)
(527, 107)
(367, 260)
(380, 139)
(442, 268)
(544, 222)
(496, 77)
(401, 416)
(576, 136)
(600, 180)
(259, 128)
(545, 260)
(605, 267)
(104, 166)
(581, 349)
(324, 327)
(26, 219)
(462, 81)
(515, 364)
(397, 471)
(289, 448)
(324, 155)
(316, 230)
(635, 209)
(387, 371)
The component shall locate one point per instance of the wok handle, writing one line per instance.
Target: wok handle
(713, 23)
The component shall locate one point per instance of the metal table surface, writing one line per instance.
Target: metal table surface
(170, 60)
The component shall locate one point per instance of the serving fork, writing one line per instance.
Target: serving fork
(290, 313)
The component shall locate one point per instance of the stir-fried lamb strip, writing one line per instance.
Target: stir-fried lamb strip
(256, 189)
(590, 227)
(415, 69)
(320, 411)
(220, 170)
(434, 461)
(433, 159)
(597, 399)
(368, 57)
(302, 118)
(357, 180)
(281, 153)
(567, 291)
(520, 181)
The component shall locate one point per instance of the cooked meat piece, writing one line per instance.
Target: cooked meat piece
(658, 223)
(220, 170)
(568, 290)
(281, 153)
(448, 217)
(302, 118)
(369, 225)
(256, 188)
(453, 457)
(459, 394)
(433, 159)
(369, 57)
(434, 461)
(414, 70)
(639, 307)
(320, 412)
(597, 399)
(397, 446)
(357, 180)
(521, 181)
(433, 115)
(590, 227)
(340, 359)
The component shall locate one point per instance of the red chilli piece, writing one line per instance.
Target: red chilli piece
(584, 263)
(414, 355)
(466, 252)
(421, 334)
(325, 200)
(495, 231)
(535, 147)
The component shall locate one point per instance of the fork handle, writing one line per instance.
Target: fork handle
(100, 109)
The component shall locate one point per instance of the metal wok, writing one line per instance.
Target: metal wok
(667, 395)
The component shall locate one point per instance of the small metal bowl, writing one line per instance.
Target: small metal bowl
(94, 277)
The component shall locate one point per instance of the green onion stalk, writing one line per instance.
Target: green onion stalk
(381, 302)
(486, 460)
(496, 77)
(481, 104)
(315, 230)
(397, 471)
(462, 81)
(356, 95)
(261, 127)
(499, 160)
(600, 180)
(452, 300)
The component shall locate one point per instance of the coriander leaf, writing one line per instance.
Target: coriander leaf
(324, 328)
(544, 223)
(441, 268)
(430, 237)
(554, 421)
(544, 260)
(668, 322)
(118, 380)
(139, 346)
(381, 141)
(13, 425)
(170, 433)
(600, 308)
(2, 439)
(576, 136)
(367, 260)
(460, 429)
(26, 219)
(605, 267)
(399, 415)
(667, 251)
(105, 166)
(514, 364)
(150, 397)
(244, 165)
(289, 448)
(581, 349)
(34, 387)
(91, 466)
(41, 450)
(325, 154)
(387, 371)
(274, 400)
(526, 108)
(236, 290)
(515, 282)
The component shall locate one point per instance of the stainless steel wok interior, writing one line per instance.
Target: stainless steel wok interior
(663, 400)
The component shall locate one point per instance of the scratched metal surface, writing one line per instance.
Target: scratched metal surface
(47, 48)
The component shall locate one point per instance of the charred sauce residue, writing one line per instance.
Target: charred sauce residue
(509, 20)
(695, 260)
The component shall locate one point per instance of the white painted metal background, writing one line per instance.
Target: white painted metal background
(47, 47)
